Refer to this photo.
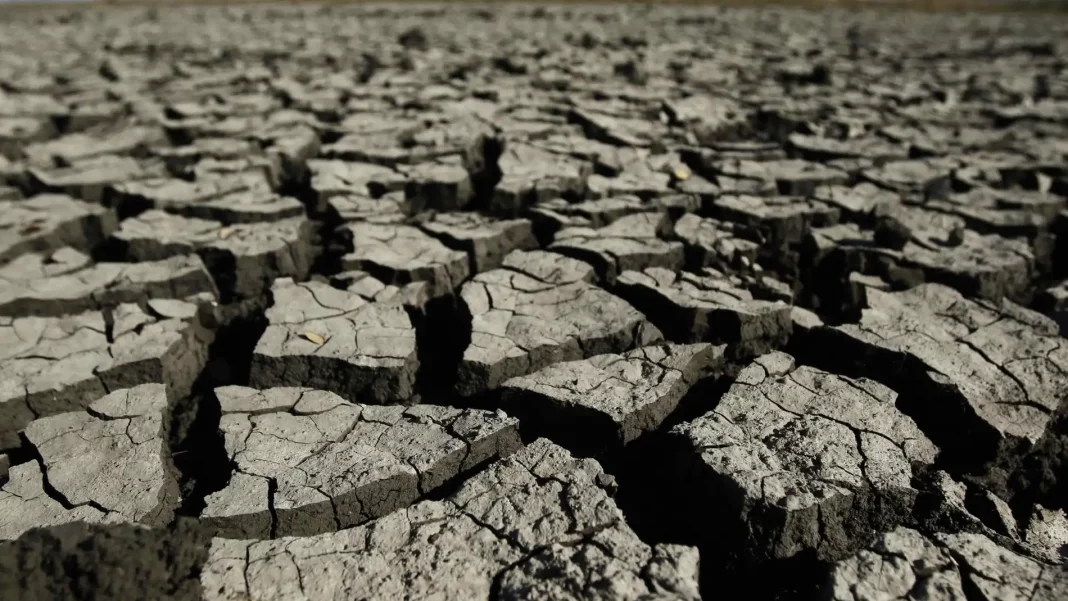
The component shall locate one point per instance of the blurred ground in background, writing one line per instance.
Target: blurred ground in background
(937, 5)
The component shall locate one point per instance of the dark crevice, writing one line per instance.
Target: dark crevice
(110, 250)
(109, 325)
(197, 444)
(272, 490)
(17, 456)
(300, 187)
(668, 497)
(665, 500)
(703, 396)
(125, 207)
(648, 474)
(222, 264)
(932, 511)
(579, 429)
(826, 287)
(324, 248)
(651, 474)
(331, 243)
(485, 177)
(442, 334)
(799, 578)
(1037, 475)
(198, 451)
(544, 229)
(983, 507)
(968, 584)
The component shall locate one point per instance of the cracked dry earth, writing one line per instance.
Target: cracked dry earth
(617, 303)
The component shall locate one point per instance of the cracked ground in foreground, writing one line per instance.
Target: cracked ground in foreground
(619, 303)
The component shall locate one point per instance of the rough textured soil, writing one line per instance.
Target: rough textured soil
(490, 303)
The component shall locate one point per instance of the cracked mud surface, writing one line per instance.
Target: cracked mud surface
(107, 464)
(811, 460)
(540, 308)
(319, 336)
(401, 254)
(244, 259)
(629, 243)
(608, 401)
(56, 364)
(709, 306)
(307, 461)
(905, 564)
(538, 524)
(532, 302)
(240, 198)
(49, 222)
(1002, 367)
(29, 292)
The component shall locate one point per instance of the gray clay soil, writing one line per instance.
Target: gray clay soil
(462, 302)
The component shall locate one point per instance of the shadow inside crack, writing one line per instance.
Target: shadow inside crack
(657, 496)
(197, 446)
(442, 332)
(96, 562)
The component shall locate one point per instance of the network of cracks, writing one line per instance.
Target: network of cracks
(432, 302)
